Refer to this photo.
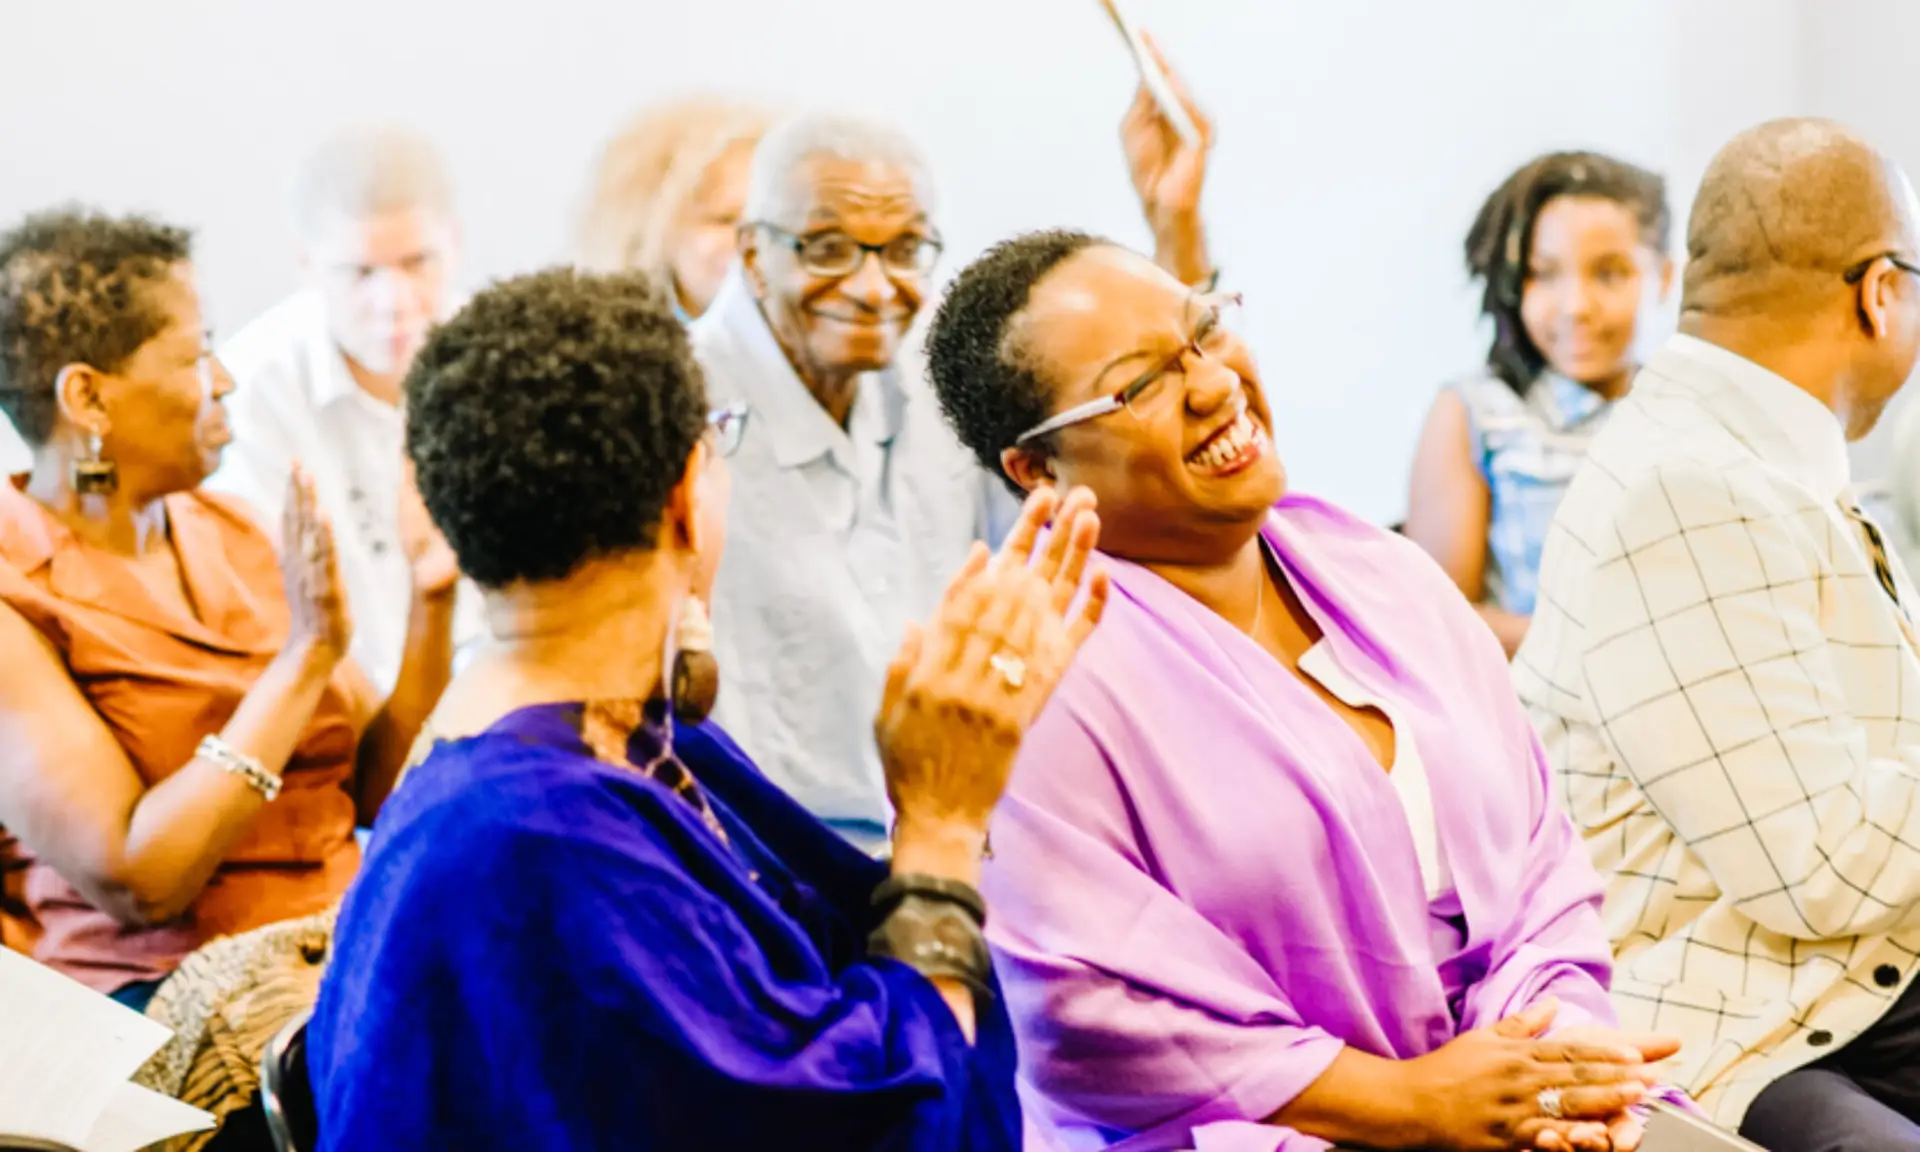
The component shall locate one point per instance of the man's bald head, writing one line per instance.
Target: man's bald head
(1800, 258)
(1784, 210)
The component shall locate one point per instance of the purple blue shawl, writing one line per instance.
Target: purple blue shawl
(544, 951)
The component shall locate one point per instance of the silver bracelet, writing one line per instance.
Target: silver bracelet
(218, 751)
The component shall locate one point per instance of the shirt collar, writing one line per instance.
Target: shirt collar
(1805, 435)
(756, 369)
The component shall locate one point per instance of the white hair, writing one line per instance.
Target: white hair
(366, 171)
(774, 192)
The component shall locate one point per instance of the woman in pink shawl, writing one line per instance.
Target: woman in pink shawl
(1280, 866)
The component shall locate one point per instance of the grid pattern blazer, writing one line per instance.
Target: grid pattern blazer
(1728, 693)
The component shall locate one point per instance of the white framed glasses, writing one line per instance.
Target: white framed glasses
(1211, 336)
(728, 426)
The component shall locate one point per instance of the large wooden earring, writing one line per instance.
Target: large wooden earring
(696, 674)
(93, 475)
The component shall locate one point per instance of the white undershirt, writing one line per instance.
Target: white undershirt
(1408, 772)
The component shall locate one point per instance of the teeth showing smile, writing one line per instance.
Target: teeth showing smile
(1227, 445)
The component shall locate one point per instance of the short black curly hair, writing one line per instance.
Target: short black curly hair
(1499, 242)
(549, 420)
(985, 382)
(73, 290)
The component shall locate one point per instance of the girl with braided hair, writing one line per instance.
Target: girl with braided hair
(1571, 254)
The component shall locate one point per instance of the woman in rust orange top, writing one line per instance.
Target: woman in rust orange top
(184, 751)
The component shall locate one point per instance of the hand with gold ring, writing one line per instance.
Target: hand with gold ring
(1625, 1128)
(1012, 669)
(1512, 1086)
(962, 692)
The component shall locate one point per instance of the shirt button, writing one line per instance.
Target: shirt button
(1820, 1039)
(1886, 975)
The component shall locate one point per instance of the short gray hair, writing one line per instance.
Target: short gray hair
(366, 171)
(772, 188)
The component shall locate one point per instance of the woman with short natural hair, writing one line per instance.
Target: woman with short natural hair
(588, 921)
(184, 746)
(1281, 863)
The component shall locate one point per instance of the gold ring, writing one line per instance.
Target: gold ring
(1012, 669)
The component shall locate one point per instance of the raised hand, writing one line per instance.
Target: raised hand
(1169, 175)
(961, 694)
(319, 622)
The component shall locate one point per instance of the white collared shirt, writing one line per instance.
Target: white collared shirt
(1817, 447)
(1729, 699)
(295, 399)
(836, 539)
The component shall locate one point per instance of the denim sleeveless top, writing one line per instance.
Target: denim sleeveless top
(1528, 449)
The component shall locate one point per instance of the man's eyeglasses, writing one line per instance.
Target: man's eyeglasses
(834, 254)
(1858, 272)
(728, 426)
(1212, 336)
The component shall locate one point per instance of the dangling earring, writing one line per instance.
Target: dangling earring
(93, 476)
(694, 678)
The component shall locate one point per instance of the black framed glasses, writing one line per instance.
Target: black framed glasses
(834, 254)
(1858, 272)
(728, 426)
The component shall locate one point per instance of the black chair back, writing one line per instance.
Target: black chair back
(32, 1144)
(286, 1091)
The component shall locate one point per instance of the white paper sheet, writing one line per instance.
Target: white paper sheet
(136, 1117)
(68, 1054)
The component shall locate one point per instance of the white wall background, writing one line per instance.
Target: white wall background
(1356, 136)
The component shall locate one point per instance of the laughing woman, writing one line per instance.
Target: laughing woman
(1279, 863)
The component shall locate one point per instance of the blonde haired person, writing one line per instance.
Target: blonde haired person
(667, 196)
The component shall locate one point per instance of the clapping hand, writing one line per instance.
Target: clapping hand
(434, 567)
(316, 598)
(962, 693)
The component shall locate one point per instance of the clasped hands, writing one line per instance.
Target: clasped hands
(1488, 1088)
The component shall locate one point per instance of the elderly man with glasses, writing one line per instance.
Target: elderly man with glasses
(853, 503)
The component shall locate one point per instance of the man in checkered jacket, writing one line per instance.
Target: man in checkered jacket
(1722, 664)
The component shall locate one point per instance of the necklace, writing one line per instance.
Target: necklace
(1259, 595)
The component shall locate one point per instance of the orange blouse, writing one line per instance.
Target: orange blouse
(161, 681)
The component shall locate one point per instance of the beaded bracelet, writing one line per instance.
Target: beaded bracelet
(218, 751)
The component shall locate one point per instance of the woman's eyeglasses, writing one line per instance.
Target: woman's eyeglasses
(1211, 337)
(833, 254)
(728, 426)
